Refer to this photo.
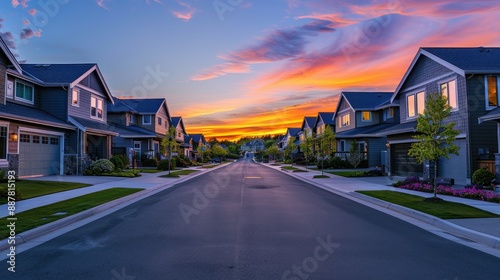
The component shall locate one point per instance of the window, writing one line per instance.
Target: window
(344, 120)
(24, 138)
(388, 113)
(10, 89)
(36, 139)
(54, 141)
(146, 119)
(3, 142)
(45, 140)
(159, 120)
(75, 97)
(132, 118)
(95, 108)
(137, 145)
(492, 91)
(342, 146)
(449, 90)
(24, 92)
(415, 104)
(366, 116)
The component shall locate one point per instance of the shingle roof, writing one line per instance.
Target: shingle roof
(399, 128)
(369, 131)
(293, 131)
(310, 121)
(471, 60)
(133, 131)
(367, 100)
(93, 126)
(493, 115)
(32, 115)
(56, 73)
(175, 121)
(141, 106)
(327, 117)
(197, 137)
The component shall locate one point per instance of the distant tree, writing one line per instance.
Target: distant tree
(269, 143)
(272, 152)
(217, 151)
(203, 151)
(307, 146)
(290, 148)
(355, 156)
(435, 137)
(326, 143)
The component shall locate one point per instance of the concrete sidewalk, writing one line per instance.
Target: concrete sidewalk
(349, 186)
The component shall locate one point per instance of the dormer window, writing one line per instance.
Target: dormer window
(24, 92)
(366, 116)
(146, 119)
(96, 108)
(491, 92)
(75, 97)
(344, 120)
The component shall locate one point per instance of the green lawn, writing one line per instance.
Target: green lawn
(210, 166)
(443, 210)
(43, 215)
(288, 167)
(320, 176)
(144, 170)
(30, 189)
(349, 173)
(177, 174)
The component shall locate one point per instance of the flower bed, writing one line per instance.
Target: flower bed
(472, 192)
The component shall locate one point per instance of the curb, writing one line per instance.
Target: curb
(50, 227)
(478, 237)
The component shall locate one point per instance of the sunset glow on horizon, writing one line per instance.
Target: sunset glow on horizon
(246, 68)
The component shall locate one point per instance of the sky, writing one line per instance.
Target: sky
(234, 68)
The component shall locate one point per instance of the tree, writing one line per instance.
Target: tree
(272, 152)
(307, 146)
(290, 148)
(435, 136)
(168, 145)
(218, 151)
(355, 156)
(203, 150)
(326, 144)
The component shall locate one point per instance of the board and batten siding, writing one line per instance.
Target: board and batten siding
(93, 81)
(375, 148)
(53, 101)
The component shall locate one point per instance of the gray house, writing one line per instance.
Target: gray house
(140, 125)
(468, 77)
(180, 135)
(360, 117)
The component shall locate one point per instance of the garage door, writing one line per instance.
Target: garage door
(456, 166)
(402, 164)
(38, 154)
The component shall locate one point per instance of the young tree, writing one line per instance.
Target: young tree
(290, 148)
(435, 136)
(272, 152)
(218, 151)
(307, 146)
(168, 145)
(203, 150)
(355, 156)
(326, 144)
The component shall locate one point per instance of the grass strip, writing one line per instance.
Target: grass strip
(177, 174)
(443, 209)
(320, 176)
(43, 215)
(348, 174)
(288, 167)
(33, 188)
(150, 170)
(210, 166)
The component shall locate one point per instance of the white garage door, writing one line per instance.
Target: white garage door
(38, 154)
(456, 166)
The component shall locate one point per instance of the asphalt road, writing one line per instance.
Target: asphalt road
(246, 221)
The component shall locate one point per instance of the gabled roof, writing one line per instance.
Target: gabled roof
(197, 137)
(365, 100)
(143, 106)
(463, 61)
(10, 56)
(64, 74)
(92, 126)
(399, 128)
(178, 120)
(293, 131)
(326, 118)
(18, 112)
(310, 121)
(133, 131)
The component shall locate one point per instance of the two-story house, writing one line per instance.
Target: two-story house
(468, 78)
(149, 118)
(195, 141)
(180, 135)
(323, 120)
(33, 142)
(360, 117)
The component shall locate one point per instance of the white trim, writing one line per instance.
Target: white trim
(91, 90)
(447, 81)
(414, 92)
(402, 141)
(486, 101)
(150, 119)
(7, 84)
(498, 136)
(23, 99)
(7, 125)
(79, 79)
(77, 104)
(96, 117)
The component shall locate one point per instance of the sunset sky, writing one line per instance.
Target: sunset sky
(235, 68)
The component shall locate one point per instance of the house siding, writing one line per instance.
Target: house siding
(120, 119)
(36, 93)
(162, 113)
(373, 121)
(52, 100)
(375, 147)
(3, 75)
(93, 81)
(83, 110)
(484, 135)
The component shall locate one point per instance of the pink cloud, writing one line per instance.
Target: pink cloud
(336, 19)
(23, 3)
(33, 12)
(28, 33)
(26, 22)
(101, 4)
(221, 70)
(186, 15)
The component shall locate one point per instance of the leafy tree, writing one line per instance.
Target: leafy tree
(435, 137)
(272, 152)
(326, 143)
(218, 151)
(307, 146)
(169, 145)
(355, 156)
(290, 148)
(203, 151)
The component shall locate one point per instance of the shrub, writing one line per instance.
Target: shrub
(482, 177)
(182, 161)
(118, 162)
(99, 167)
(163, 164)
(149, 162)
(4, 194)
(325, 164)
(3, 178)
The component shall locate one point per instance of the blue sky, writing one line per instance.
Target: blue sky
(234, 67)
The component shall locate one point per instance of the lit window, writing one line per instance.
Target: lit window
(96, 108)
(344, 120)
(24, 92)
(3, 142)
(449, 91)
(420, 102)
(492, 92)
(146, 119)
(24, 138)
(415, 104)
(75, 97)
(366, 116)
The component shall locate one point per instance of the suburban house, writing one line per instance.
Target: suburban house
(469, 78)
(180, 135)
(33, 142)
(195, 141)
(141, 124)
(359, 119)
(291, 133)
(255, 145)
(307, 128)
(323, 120)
